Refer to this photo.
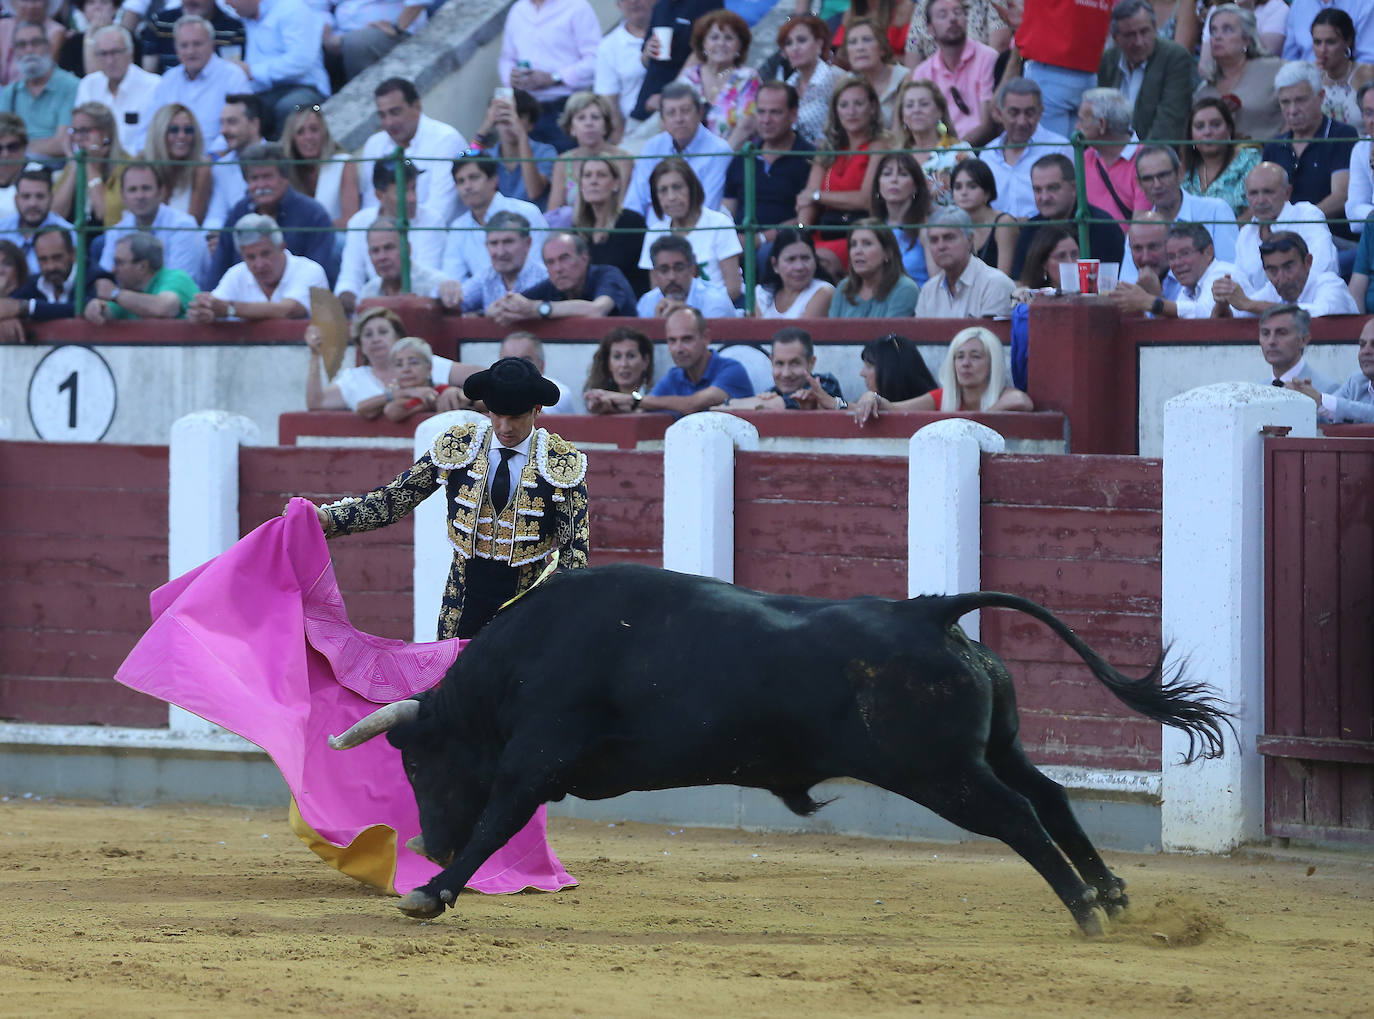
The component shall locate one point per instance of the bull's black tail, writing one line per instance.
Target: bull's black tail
(1183, 705)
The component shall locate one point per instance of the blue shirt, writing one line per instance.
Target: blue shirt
(711, 299)
(305, 225)
(9, 230)
(721, 372)
(602, 281)
(913, 256)
(706, 154)
(283, 46)
(511, 182)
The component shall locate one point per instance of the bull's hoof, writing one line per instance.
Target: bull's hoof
(417, 845)
(1093, 923)
(420, 905)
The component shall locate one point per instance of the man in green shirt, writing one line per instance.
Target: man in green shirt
(142, 287)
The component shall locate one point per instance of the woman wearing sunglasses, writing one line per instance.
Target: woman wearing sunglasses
(175, 141)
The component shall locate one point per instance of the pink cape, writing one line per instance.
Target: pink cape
(257, 640)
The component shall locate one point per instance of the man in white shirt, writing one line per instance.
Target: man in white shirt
(431, 145)
(125, 89)
(1023, 140)
(269, 283)
(1353, 402)
(1290, 280)
(1157, 168)
(1267, 190)
(1284, 331)
(512, 270)
(283, 55)
(384, 251)
(619, 70)
(1192, 263)
(202, 79)
(465, 251)
(426, 240)
(240, 125)
(683, 135)
(142, 187)
(965, 286)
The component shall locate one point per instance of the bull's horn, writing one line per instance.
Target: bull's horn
(380, 721)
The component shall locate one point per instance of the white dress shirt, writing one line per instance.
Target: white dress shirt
(465, 250)
(1359, 197)
(239, 287)
(227, 187)
(355, 267)
(1219, 219)
(203, 95)
(515, 464)
(182, 248)
(1324, 294)
(619, 72)
(1014, 192)
(132, 107)
(1197, 301)
(433, 149)
(701, 155)
(1303, 219)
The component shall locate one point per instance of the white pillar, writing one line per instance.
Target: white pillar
(203, 504)
(433, 553)
(699, 492)
(944, 514)
(1213, 597)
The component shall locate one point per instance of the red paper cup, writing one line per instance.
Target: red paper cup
(1088, 269)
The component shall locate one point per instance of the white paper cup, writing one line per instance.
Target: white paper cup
(1068, 277)
(1108, 275)
(664, 35)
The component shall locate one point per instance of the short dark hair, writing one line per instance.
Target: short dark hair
(526, 106)
(1302, 318)
(1284, 240)
(252, 105)
(980, 173)
(796, 334)
(384, 172)
(1195, 232)
(264, 154)
(793, 100)
(138, 164)
(478, 159)
(679, 90)
(1058, 159)
(508, 221)
(670, 243)
(38, 173)
(62, 232)
(401, 85)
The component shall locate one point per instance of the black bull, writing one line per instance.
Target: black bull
(621, 678)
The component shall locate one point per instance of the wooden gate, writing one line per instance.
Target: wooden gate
(1318, 737)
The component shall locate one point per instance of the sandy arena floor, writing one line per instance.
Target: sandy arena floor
(222, 912)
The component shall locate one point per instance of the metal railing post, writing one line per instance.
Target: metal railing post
(403, 217)
(749, 226)
(79, 214)
(1080, 186)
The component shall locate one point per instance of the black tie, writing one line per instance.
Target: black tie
(500, 486)
(1277, 384)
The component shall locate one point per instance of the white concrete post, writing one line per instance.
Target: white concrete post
(699, 492)
(203, 504)
(1213, 597)
(433, 553)
(944, 516)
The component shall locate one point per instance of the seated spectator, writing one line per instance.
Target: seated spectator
(93, 130)
(14, 269)
(973, 188)
(796, 383)
(1298, 41)
(505, 137)
(840, 188)
(1359, 199)
(1364, 270)
(1156, 73)
(270, 282)
(1267, 191)
(465, 251)
(411, 391)
(1333, 54)
(240, 126)
(876, 286)
(660, 69)
(805, 42)
(33, 212)
(678, 207)
(1158, 170)
(1109, 175)
(359, 33)
(575, 288)
(870, 58)
(901, 199)
(727, 86)
(426, 238)
(974, 377)
(14, 142)
(282, 56)
(531, 348)
(923, 125)
(623, 363)
(1022, 143)
(618, 73)
(384, 251)
(127, 90)
(1291, 280)
(159, 34)
(142, 286)
(175, 143)
(984, 24)
(614, 234)
(589, 120)
(315, 162)
(676, 282)
(43, 94)
(1284, 332)
(549, 50)
(793, 285)
(202, 80)
(1354, 401)
(1212, 167)
(1052, 247)
(1056, 199)
(964, 287)
(512, 270)
(303, 221)
(34, 11)
(71, 53)
(960, 70)
(1236, 63)
(1192, 264)
(684, 136)
(894, 19)
(49, 293)
(1319, 174)
(1148, 244)
(893, 372)
(142, 188)
(431, 145)
(781, 167)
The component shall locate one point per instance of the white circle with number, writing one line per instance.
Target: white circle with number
(72, 396)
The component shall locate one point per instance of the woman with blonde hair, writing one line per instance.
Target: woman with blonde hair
(920, 121)
(93, 130)
(613, 232)
(973, 377)
(317, 167)
(175, 142)
(589, 120)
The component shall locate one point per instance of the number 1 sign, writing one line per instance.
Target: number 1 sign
(72, 395)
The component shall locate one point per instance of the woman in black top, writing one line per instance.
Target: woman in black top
(614, 235)
(973, 189)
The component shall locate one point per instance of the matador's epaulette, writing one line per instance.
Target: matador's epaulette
(459, 446)
(558, 461)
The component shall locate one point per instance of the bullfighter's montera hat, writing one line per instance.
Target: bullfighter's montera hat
(511, 386)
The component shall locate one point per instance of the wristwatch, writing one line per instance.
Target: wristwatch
(816, 197)
(636, 398)
(557, 78)
(545, 309)
(229, 311)
(1157, 308)
(840, 403)
(114, 296)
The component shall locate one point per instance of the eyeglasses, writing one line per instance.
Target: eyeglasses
(312, 107)
(185, 129)
(107, 54)
(36, 43)
(13, 146)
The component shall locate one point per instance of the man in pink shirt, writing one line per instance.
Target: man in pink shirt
(1104, 117)
(548, 49)
(961, 68)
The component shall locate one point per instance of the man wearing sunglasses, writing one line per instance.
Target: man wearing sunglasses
(962, 68)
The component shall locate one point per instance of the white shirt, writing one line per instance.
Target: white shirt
(355, 268)
(709, 246)
(203, 95)
(515, 464)
(1314, 232)
(465, 250)
(424, 281)
(1359, 200)
(434, 148)
(358, 383)
(1197, 301)
(1014, 192)
(133, 106)
(619, 72)
(228, 186)
(1219, 219)
(1324, 294)
(182, 248)
(239, 287)
(700, 155)
(568, 403)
